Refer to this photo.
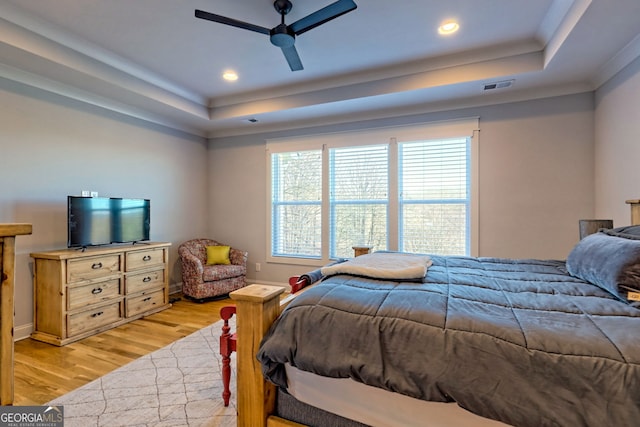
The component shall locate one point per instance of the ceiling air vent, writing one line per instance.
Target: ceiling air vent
(498, 85)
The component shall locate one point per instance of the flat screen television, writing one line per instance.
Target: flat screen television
(93, 221)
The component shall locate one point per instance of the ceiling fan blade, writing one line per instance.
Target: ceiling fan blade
(291, 54)
(229, 21)
(323, 15)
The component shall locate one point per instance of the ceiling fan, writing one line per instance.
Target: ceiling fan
(282, 35)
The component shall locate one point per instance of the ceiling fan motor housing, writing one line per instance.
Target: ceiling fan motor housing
(282, 36)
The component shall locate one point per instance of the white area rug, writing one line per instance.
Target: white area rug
(178, 385)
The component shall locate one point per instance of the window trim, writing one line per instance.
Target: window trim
(464, 127)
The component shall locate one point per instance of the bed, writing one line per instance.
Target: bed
(473, 342)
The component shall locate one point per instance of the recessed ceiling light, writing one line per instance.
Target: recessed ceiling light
(448, 27)
(230, 76)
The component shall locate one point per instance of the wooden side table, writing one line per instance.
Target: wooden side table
(635, 211)
(8, 233)
(361, 250)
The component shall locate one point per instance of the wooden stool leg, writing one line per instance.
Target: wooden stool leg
(227, 346)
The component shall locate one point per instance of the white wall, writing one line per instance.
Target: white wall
(536, 180)
(617, 145)
(51, 147)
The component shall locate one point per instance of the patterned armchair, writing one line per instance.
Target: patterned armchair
(201, 281)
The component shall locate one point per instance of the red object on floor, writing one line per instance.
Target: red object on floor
(228, 343)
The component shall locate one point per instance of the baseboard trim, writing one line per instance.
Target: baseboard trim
(22, 332)
(175, 288)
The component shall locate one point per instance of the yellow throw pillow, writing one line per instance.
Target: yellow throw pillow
(218, 255)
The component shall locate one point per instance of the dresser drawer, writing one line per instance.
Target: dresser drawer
(81, 296)
(137, 260)
(141, 281)
(145, 302)
(93, 267)
(93, 319)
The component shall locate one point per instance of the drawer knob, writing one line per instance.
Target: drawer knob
(146, 258)
(96, 291)
(146, 279)
(146, 299)
(96, 265)
(97, 314)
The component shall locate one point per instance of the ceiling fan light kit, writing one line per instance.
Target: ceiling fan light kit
(283, 35)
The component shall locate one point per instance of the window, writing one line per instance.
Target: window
(358, 198)
(409, 189)
(434, 196)
(296, 203)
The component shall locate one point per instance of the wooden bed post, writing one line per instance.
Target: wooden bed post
(8, 233)
(257, 306)
(635, 211)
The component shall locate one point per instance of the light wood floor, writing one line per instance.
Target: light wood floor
(44, 372)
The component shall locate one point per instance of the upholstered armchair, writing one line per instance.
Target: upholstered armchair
(202, 280)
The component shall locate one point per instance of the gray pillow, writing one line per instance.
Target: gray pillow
(607, 261)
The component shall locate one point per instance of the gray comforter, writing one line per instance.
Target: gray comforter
(521, 342)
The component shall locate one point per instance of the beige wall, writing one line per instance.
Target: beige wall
(536, 180)
(617, 145)
(543, 166)
(536, 176)
(51, 147)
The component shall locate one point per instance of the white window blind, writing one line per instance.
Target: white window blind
(434, 197)
(296, 204)
(359, 198)
(408, 188)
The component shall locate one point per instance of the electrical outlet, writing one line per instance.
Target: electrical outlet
(85, 193)
(94, 194)
(258, 266)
